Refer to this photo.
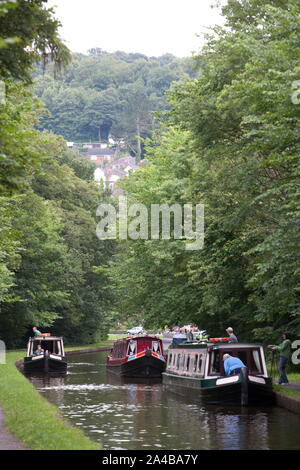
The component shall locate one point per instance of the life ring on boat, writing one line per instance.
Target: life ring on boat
(218, 340)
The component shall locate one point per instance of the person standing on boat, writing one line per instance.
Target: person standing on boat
(232, 365)
(232, 337)
(285, 351)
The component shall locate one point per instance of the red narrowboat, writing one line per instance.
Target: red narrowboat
(137, 357)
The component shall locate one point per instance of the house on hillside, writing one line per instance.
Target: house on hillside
(100, 156)
(113, 171)
(125, 163)
(94, 145)
(108, 177)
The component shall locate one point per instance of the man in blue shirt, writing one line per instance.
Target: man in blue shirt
(232, 365)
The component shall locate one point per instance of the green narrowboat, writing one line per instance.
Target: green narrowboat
(197, 369)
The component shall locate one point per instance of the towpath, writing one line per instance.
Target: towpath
(7, 440)
(292, 386)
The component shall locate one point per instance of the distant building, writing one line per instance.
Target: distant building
(94, 145)
(111, 173)
(108, 177)
(110, 169)
(100, 156)
(125, 163)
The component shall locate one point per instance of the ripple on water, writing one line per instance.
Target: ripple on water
(80, 387)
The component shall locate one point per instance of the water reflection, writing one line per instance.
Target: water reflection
(125, 414)
(234, 430)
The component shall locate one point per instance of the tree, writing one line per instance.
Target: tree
(10, 249)
(135, 118)
(39, 281)
(100, 113)
(29, 34)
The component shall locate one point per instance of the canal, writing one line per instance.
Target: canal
(145, 416)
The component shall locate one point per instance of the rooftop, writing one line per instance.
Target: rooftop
(99, 152)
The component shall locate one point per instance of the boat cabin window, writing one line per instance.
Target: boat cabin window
(215, 362)
(131, 348)
(119, 349)
(242, 355)
(196, 362)
(199, 365)
(250, 357)
(255, 365)
(53, 347)
(189, 362)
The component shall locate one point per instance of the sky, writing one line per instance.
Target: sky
(150, 27)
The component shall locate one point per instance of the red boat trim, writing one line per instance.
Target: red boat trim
(143, 353)
(158, 356)
(140, 354)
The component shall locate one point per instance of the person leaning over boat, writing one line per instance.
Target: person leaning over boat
(232, 365)
(285, 351)
(232, 337)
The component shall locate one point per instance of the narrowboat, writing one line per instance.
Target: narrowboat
(197, 368)
(177, 337)
(45, 354)
(141, 356)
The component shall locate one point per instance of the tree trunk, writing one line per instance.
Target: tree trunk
(138, 142)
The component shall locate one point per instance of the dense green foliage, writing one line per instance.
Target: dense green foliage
(232, 144)
(109, 94)
(48, 202)
(229, 141)
(28, 34)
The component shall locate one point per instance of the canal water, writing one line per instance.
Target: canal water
(145, 416)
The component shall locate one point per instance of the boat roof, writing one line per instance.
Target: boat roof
(139, 337)
(207, 345)
(46, 338)
(236, 345)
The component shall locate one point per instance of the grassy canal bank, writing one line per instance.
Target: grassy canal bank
(31, 418)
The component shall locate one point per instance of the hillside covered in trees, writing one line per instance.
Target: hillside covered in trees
(102, 95)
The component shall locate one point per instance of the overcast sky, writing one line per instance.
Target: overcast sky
(151, 27)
